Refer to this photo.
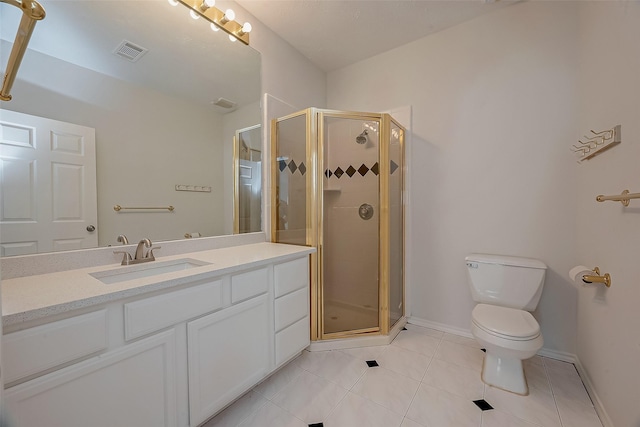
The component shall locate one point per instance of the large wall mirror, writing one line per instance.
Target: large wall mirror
(163, 122)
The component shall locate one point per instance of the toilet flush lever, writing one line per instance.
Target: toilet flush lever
(472, 264)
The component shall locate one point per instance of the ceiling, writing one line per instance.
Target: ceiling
(331, 33)
(337, 33)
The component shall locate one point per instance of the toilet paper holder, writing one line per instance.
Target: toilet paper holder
(597, 278)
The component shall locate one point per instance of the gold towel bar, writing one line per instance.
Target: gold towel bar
(119, 208)
(622, 198)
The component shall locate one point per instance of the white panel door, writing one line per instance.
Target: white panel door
(48, 198)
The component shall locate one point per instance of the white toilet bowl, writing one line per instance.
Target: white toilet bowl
(509, 336)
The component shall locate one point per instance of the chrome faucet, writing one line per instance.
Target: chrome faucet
(139, 256)
(123, 239)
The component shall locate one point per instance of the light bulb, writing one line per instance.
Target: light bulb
(206, 4)
(246, 28)
(214, 27)
(229, 15)
(173, 2)
(232, 38)
(194, 14)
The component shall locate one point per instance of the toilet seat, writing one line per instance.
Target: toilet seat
(504, 322)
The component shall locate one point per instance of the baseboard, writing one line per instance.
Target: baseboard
(558, 355)
(545, 352)
(439, 327)
(595, 399)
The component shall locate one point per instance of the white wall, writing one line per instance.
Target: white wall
(494, 103)
(286, 73)
(608, 342)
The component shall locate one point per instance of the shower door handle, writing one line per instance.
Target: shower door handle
(365, 211)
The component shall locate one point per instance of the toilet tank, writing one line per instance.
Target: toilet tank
(507, 281)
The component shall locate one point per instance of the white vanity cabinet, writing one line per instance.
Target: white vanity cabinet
(131, 386)
(172, 359)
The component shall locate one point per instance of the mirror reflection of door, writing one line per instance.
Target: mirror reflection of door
(247, 161)
(47, 185)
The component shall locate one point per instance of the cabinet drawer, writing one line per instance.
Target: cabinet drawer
(34, 350)
(292, 340)
(152, 314)
(290, 276)
(291, 308)
(249, 284)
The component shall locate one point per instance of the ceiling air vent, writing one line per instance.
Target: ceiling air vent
(130, 51)
(224, 103)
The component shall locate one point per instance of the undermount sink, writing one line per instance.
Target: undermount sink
(146, 270)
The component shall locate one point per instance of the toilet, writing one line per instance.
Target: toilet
(506, 288)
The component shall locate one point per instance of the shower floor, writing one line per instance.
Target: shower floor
(340, 317)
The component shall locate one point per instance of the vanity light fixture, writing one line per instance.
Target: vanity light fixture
(218, 19)
(173, 2)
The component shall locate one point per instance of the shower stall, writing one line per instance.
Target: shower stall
(337, 185)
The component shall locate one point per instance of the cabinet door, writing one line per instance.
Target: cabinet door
(228, 353)
(131, 386)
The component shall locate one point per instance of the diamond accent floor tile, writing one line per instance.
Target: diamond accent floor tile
(483, 404)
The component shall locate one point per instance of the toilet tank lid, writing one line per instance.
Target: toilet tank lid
(506, 260)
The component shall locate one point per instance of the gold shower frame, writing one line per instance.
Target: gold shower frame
(314, 140)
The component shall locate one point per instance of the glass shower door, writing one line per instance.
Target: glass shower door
(349, 149)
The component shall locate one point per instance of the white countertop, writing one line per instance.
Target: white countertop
(33, 297)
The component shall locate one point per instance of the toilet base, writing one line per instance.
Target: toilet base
(506, 373)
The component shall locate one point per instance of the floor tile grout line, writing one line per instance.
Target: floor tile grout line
(333, 409)
(421, 382)
(553, 393)
(246, 417)
(433, 356)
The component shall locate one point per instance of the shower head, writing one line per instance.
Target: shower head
(362, 138)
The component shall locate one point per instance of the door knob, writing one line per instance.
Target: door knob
(91, 228)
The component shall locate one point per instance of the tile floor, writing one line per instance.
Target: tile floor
(425, 378)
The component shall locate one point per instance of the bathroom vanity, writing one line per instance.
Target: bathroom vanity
(170, 343)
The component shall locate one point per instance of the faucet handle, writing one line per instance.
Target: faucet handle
(126, 259)
(150, 253)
